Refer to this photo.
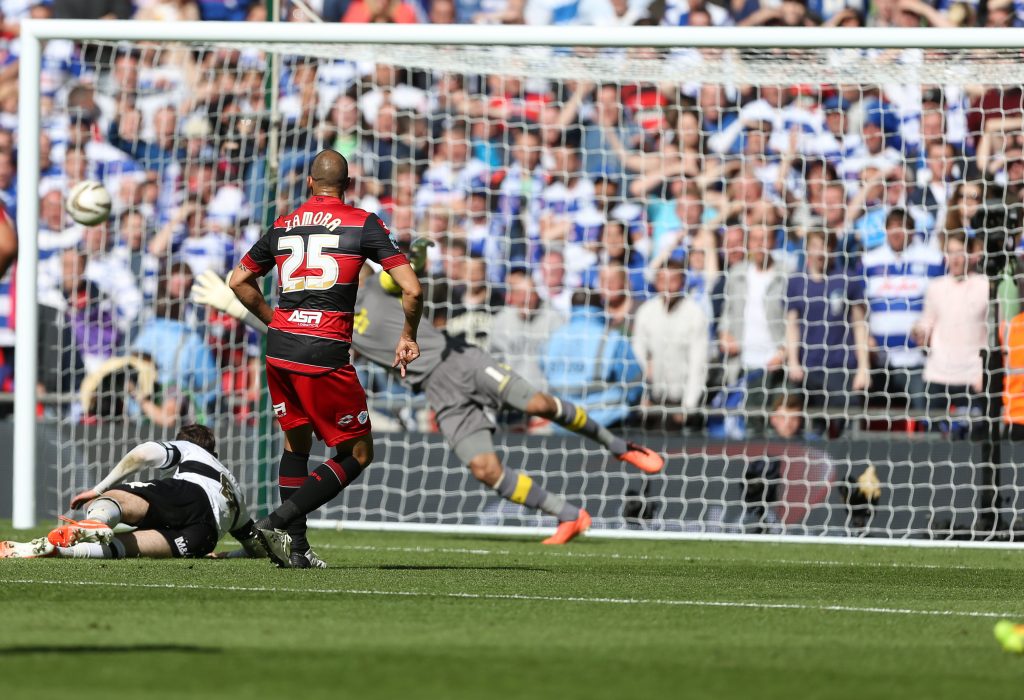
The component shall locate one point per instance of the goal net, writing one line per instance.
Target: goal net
(781, 268)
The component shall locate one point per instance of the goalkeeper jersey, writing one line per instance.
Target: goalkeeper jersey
(318, 251)
(378, 324)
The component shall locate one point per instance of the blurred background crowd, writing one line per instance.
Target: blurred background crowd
(666, 254)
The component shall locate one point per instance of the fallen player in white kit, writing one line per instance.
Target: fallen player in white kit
(184, 515)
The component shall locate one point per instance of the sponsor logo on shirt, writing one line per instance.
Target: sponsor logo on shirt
(301, 317)
(363, 417)
(280, 409)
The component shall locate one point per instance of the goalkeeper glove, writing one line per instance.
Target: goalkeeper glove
(211, 290)
(418, 253)
(417, 258)
(862, 493)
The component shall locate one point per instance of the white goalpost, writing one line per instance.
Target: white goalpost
(792, 135)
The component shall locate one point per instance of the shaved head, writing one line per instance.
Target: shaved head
(329, 173)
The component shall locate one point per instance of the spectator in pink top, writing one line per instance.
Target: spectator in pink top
(954, 329)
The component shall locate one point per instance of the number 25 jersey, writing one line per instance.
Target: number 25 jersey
(318, 250)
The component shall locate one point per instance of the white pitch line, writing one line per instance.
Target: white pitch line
(530, 598)
(634, 557)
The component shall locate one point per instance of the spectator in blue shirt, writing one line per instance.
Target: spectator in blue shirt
(592, 365)
(826, 333)
(896, 278)
(224, 10)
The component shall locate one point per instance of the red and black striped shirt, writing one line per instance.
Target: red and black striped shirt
(318, 250)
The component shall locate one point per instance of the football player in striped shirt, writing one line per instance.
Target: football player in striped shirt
(183, 515)
(318, 251)
(462, 383)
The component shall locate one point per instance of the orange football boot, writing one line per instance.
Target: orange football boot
(570, 529)
(644, 459)
(75, 531)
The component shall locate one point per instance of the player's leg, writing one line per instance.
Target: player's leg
(150, 544)
(293, 471)
(325, 482)
(522, 396)
(39, 548)
(89, 538)
(477, 450)
(336, 406)
(286, 395)
(173, 517)
(101, 516)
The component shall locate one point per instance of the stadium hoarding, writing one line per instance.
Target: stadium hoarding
(707, 487)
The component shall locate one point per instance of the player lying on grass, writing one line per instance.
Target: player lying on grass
(180, 516)
(461, 383)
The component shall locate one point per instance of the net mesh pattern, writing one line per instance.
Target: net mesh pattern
(811, 207)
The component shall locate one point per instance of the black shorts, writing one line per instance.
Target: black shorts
(180, 511)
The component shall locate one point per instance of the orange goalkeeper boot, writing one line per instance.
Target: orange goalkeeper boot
(75, 531)
(570, 529)
(644, 459)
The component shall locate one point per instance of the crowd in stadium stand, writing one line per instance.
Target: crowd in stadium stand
(662, 254)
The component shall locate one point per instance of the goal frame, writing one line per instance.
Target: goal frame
(34, 32)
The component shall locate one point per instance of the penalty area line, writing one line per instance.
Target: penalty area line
(663, 602)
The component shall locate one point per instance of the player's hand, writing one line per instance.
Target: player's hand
(79, 500)
(406, 352)
(210, 290)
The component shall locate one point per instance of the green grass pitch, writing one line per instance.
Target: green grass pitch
(426, 616)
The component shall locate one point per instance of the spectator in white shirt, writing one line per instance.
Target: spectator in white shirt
(872, 152)
(112, 276)
(520, 330)
(550, 278)
(670, 342)
(752, 329)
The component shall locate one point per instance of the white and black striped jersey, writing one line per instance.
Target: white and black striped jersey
(192, 463)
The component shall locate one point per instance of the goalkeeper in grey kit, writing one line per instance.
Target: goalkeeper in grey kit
(461, 382)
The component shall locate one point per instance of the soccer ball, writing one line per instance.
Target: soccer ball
(88, 203)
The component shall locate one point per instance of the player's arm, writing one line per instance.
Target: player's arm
(244, 280)
(378, 246)
(243, 283)
(148, 455)
(412, 304)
